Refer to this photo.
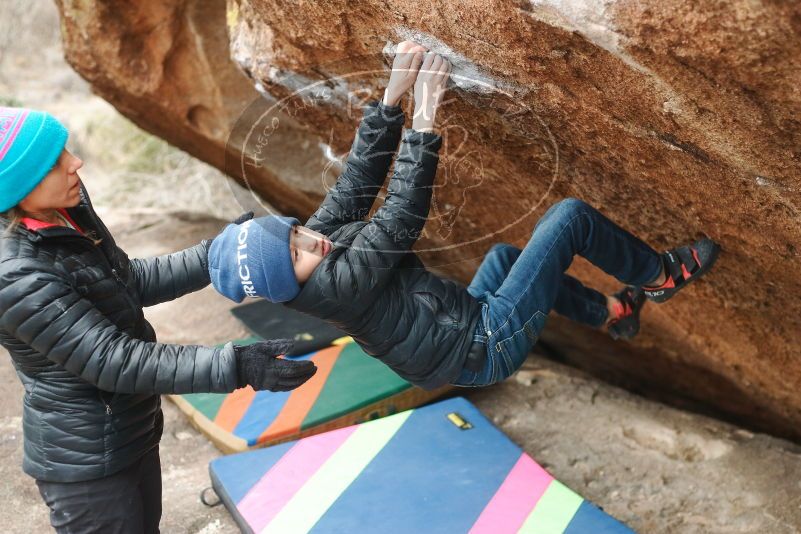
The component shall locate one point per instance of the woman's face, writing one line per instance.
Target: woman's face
(59, 189)
(308, 248)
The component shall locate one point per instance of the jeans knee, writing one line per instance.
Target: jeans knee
(566, 210)
(571, 206)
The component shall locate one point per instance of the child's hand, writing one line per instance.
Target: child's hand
(428, 90)
(408, 57)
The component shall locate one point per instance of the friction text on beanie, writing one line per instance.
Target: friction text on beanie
(242, 256)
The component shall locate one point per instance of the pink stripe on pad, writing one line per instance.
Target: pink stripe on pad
(515, 499)
(278, 485)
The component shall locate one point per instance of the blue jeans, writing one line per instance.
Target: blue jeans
(517, 289)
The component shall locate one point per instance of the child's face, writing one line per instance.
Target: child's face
(307, 248)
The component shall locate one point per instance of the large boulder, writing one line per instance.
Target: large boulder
(676, 119)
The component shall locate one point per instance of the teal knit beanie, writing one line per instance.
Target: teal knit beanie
(30, 143)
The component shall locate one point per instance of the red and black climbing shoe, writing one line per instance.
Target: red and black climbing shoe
(626, 324)
(684, 265)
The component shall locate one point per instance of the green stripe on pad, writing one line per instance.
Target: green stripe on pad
(315, 497)
(357, 380)
(553, 511)
(206, 403)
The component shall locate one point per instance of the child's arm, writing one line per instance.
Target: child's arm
(370, 260)
(372, 151)
(402, 217)
(395, 227)
(366, 169)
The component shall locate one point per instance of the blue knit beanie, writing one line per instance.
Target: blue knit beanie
(30, 144)
(253, 259)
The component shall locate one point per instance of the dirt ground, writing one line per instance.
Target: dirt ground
(656, 468)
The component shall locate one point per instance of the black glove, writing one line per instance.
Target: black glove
(257, 366)
(239, 220)
(242, 218)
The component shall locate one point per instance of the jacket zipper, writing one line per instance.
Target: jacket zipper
(124, 291)
(128, 298)
(83, 238)
(99, 224)
(103, 400)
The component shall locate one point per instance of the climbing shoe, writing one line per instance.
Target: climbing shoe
(627, 323)
(684, 265)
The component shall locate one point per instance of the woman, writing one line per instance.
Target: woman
(71, 317)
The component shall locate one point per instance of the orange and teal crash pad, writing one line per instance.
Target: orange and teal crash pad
(442, 468)
(349, 387)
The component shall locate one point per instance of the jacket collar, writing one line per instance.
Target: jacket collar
(36, 225)
(312, 291)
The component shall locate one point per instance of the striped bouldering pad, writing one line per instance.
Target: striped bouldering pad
(442, 468)
(349, 387)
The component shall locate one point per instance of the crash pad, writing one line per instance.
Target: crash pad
(441, 468)
(349, 387)
(271, 321)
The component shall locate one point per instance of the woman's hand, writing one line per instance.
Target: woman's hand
(243, 218)
(408, 58)
(248, 215)
(428, 90)
(258, 365)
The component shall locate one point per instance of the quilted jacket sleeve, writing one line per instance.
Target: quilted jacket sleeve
(365, 171)
(397, 225)
(167, 277)
(45, 312)
(399, 222)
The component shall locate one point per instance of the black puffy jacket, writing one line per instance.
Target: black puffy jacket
(71, 318)
(371, 285)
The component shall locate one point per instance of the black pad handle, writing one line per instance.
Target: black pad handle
(205, 500)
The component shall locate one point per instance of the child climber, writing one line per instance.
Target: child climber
(362, 277)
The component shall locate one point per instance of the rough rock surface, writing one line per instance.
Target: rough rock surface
(676, 118)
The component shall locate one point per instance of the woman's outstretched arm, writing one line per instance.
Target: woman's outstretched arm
(164, 278)
(41, 309)
(169, 276)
